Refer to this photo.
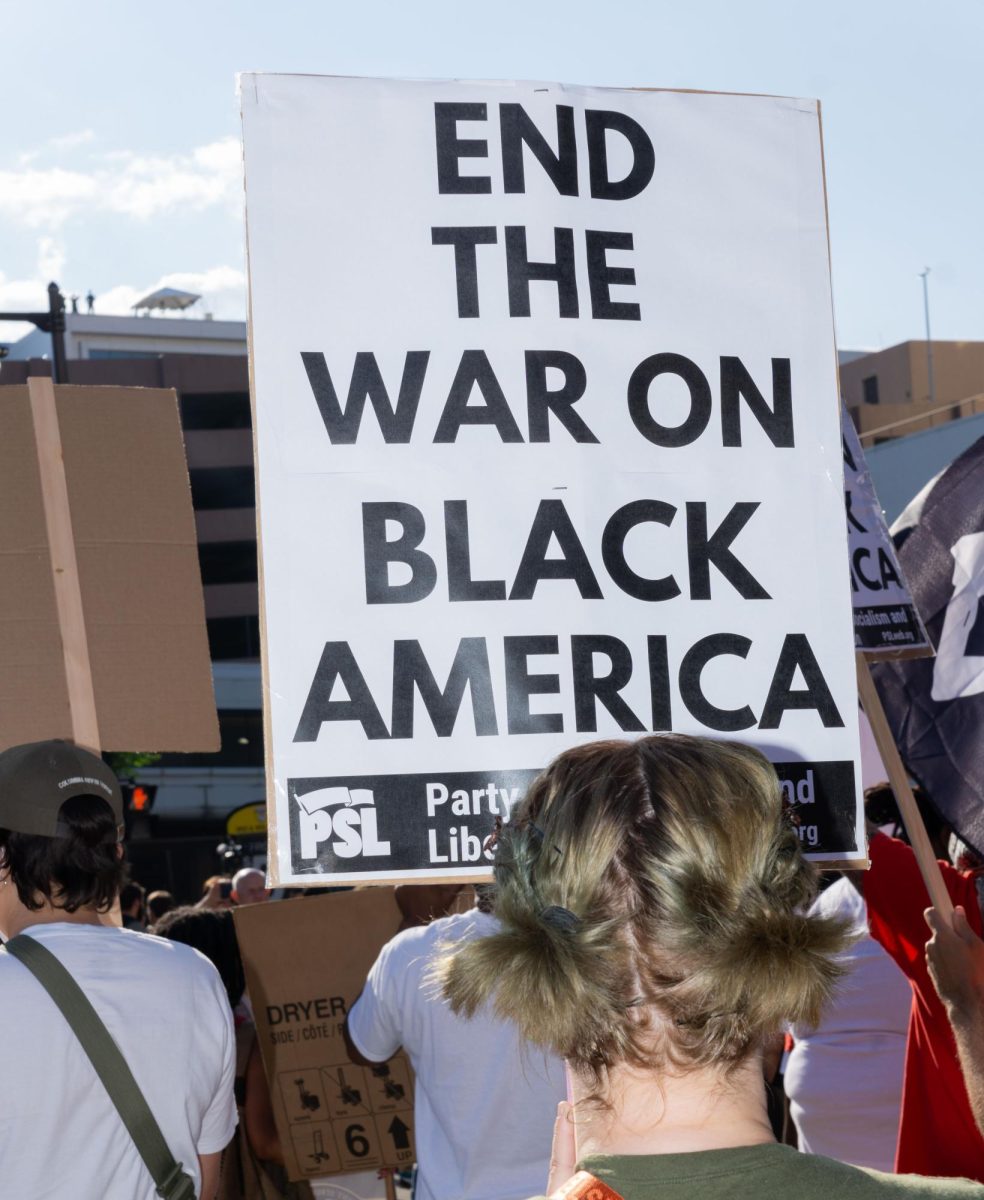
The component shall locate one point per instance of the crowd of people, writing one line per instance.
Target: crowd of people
(602, 1024)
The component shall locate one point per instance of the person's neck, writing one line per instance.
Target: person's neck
(704, 1109)
(26, 918)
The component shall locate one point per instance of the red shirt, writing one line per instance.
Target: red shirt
(937, 1132)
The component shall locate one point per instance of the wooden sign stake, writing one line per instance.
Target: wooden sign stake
(65, 573)
(64, 565)
(899, 779)
(389, 1178)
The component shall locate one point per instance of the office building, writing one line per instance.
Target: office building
(912, 387)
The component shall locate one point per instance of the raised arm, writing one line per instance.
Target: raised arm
(955, 958)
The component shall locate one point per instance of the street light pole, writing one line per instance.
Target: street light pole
(924, 275)
(53, 322)
(56, 309)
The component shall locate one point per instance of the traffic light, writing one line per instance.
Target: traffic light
(138, 797)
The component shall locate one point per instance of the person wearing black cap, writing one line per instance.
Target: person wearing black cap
(61, 868)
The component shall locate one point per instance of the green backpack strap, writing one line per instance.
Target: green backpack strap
(169, 1176)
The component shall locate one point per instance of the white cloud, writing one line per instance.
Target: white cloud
(224, 156)
(51, 258)
(68, 141)
(125, 183)
(21, 295)
(223, 291)
(39, 196)
(222, 288)
(30, 295)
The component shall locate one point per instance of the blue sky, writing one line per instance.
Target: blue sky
(119, 168)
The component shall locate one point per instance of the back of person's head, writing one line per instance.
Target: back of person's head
(652, 899)
(61, 816)
(881, 808)
(159, 903)
(131, 893)
(421, 903)
(249, 886)
(212, 932)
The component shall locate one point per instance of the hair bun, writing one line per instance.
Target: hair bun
(544, 970)
(763, 968)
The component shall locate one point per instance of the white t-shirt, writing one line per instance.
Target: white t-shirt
(61, 1138)
(844, 1079)
(485, 1103)
(365, 1185)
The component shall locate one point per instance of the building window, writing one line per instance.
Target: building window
(227, 562)
(122, 354)
(216, 410)
(222, 487)
(241, 731)
(869, 388)
(233, 637)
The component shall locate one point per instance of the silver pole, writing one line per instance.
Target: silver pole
(924, 275)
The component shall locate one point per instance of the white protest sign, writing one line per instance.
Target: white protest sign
(547, 451)
(886, 621)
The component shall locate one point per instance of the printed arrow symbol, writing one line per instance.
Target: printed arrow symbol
(399, 1133)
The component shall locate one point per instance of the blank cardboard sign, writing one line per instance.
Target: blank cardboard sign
(306, 962)
(134, 534)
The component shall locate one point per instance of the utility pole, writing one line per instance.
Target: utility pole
(924, 275)
(56, 313)
(53, 322)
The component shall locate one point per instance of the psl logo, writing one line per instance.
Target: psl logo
(348, 816)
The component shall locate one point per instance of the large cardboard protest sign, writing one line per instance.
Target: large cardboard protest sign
(306, 962)
(122, 511)
(886, 621)
(548, 450)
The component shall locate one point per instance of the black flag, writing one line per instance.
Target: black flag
(935, 706)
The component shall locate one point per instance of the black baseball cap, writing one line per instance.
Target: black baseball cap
(36, 779)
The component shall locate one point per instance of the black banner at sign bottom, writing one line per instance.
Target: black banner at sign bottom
(438, 823)
(824, 798)
(887, 627)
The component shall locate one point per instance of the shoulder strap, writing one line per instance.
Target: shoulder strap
(170, 1179)
(584, 1186)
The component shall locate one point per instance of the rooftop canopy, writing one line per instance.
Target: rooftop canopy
(167, 298)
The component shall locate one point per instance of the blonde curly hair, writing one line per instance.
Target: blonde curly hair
(652, 899)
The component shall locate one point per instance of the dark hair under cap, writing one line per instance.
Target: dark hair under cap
(80, 868)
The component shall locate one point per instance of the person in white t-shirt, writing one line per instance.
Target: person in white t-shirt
(485, 1102)
(844, 1078)
(61, 819)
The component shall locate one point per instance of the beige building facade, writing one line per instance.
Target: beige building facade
(888, 393)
